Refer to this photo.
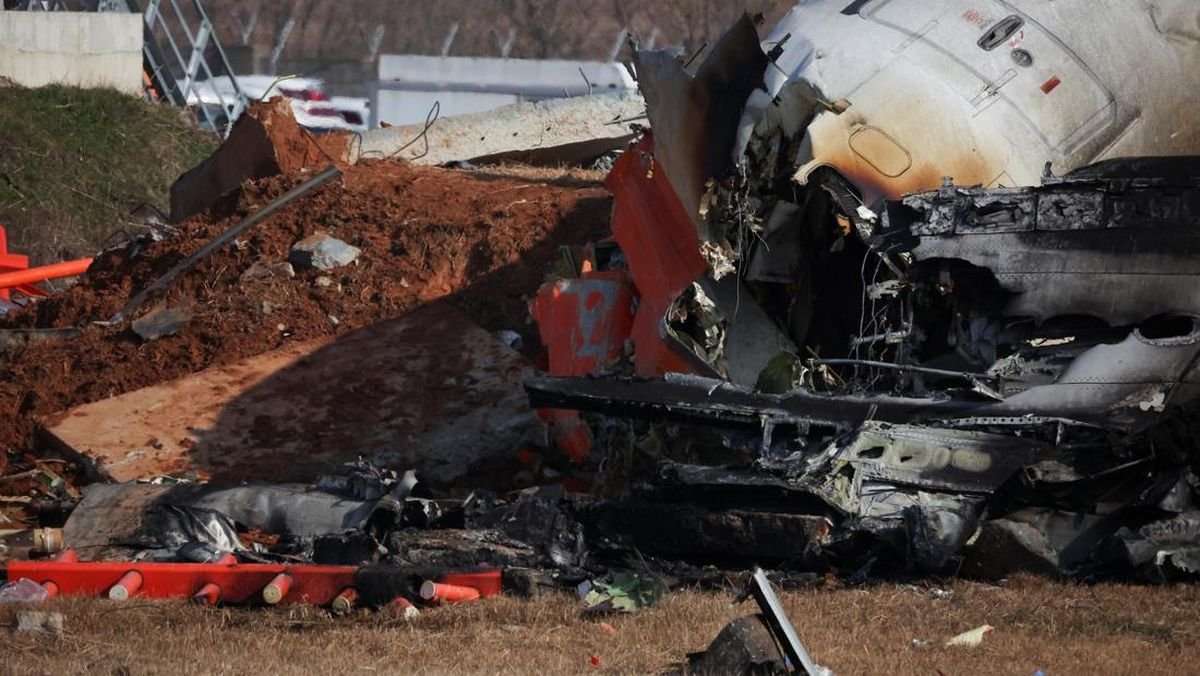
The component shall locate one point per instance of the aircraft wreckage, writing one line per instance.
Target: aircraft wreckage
(925, 273)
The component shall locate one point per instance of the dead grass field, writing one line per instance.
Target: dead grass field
(1059, 628)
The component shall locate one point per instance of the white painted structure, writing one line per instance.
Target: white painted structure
(986, 91)
(84, 49)
(410, 85)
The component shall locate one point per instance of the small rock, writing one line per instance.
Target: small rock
(510, 338)
(322, 252)
(259, 271)
(39, 621)
(160, 322)
(334, 320)
(281, 327)
(323, 282)
(267, 307)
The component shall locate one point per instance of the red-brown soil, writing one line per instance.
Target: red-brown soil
(482, 241)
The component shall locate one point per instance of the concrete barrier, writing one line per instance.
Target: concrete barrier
(550, 132)
(86, 49)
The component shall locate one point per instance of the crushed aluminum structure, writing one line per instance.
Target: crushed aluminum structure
(883, 330)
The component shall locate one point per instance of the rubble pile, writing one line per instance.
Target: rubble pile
(482, 242)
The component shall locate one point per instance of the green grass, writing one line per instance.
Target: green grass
(74, 163)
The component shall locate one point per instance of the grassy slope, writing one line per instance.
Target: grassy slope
(888, 629)
(74, 163)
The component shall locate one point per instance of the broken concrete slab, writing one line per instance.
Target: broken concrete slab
(265, 141)
(429, 390)
(551, 132)
(323, 252)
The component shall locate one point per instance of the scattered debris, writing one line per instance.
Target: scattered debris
(781, 627)
(39, 621)
(972, 638)
(30, 542)
(160, 322)
(623, 593)
(22, 590)
(765, 643)
(745, 646)
(904, 367)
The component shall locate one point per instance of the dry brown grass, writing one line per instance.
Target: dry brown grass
(1060, 628)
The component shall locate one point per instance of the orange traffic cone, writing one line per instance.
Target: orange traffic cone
(447, 593)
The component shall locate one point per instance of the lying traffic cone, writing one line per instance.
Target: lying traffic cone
(127, 586)
(65, 556)
(344, 602)
(487, 583)
(447, 593)
(277, 588)
(208, 595)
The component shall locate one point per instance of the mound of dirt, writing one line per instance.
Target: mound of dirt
(483, 242)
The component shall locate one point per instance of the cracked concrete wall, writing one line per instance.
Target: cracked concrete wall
(85, 49)
(554, 131)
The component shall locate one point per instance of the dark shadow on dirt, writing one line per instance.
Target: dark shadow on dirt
(429, 389)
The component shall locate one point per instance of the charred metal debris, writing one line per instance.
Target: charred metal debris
(794, 352)
(960, 379)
